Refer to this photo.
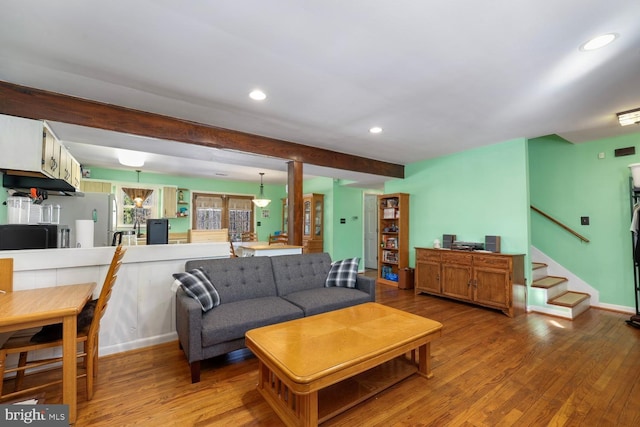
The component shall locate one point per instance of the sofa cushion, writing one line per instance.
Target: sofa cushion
(197, 285)
(298, 272)
(343, 273)
(238, 278)
(230, 321)
(319, 300)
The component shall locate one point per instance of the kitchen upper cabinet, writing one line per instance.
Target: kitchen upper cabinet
(21, 144)
(65, 165)
(169, 202)
(30, 146)
(76, 173)
(90, 186)
(50, 153)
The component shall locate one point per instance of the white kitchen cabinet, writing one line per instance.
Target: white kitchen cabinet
(21, 144)
(30, 146)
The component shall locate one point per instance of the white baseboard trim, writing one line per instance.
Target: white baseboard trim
(142, 343)
(614, 307)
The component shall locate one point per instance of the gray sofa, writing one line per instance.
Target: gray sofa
(254, 292)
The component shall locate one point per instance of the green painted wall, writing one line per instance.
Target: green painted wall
(340, 240)
(470, 194)
(569, 181)
(348, 237)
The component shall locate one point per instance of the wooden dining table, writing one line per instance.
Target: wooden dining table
(44, 306)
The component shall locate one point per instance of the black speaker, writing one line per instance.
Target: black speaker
(492, 243)
(447, 240)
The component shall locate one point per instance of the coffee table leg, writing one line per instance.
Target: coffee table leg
(309, 409)
(424, 360)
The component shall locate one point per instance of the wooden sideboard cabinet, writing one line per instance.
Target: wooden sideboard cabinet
(488, 279)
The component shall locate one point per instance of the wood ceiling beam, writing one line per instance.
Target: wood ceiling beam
(38, 104)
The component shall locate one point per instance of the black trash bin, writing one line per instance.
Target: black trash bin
(405, 278)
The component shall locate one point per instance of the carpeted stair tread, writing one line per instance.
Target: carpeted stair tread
(538, 265)
(569, 299)
(548, 282)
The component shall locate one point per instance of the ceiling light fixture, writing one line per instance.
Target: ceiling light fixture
(134, 159)
(258, 95)
(631, 117)
(598, 42)
(375, 129)
(261, 201)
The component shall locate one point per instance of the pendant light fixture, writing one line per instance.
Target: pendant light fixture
(261, 201)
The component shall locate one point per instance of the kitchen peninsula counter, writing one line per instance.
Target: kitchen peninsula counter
(141, 311)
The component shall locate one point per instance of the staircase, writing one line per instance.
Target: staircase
(553, 295)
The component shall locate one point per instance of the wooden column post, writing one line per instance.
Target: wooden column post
(294, 184)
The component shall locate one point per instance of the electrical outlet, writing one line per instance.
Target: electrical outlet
(584, 220)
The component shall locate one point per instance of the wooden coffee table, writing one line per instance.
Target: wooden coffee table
(314, 368)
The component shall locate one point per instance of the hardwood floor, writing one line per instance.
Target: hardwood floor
(489, 370)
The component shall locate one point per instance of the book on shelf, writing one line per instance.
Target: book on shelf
(391, 243)
(389, 256)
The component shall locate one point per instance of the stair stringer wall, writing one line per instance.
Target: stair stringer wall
(574, 283)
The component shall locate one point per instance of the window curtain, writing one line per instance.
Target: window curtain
(137, 193)
(240, 210)
(208, 212)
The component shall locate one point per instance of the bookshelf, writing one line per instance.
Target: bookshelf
(393, 233)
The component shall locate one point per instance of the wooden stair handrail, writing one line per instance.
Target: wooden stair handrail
(552, 219)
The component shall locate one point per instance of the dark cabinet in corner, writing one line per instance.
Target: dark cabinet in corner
(487, 279)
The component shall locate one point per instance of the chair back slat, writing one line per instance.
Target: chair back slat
(105, 292)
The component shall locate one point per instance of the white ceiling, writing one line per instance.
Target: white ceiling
(438, 76)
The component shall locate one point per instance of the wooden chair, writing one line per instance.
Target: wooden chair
(249, 236)
(87, 337)
(6, 274)
(279, 239)
(232, 251)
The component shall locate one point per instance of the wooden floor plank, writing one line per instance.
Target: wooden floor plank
(489, 370)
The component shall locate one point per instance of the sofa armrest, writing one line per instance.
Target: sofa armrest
(367, 284)
(189, 325)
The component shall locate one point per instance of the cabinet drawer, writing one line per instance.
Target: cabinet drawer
(427, 255)
(457, 258)
(491, 261)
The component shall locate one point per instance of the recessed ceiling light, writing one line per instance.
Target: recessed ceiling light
(375, 129)
(258, 95)
(598, 42)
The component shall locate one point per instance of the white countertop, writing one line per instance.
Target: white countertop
(43, 259)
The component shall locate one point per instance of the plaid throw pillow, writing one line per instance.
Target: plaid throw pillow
(197, 285)
(343, 273)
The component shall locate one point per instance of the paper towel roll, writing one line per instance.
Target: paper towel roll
(84, 233)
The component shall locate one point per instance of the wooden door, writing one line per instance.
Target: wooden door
(492, 280)
(50, 154)
(457, 275)
(491, 287)
(456, 281)
(428, 277)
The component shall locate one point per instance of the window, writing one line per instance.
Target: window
(216, 211)
(127, 211)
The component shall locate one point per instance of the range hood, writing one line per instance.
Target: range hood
(18, 182)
